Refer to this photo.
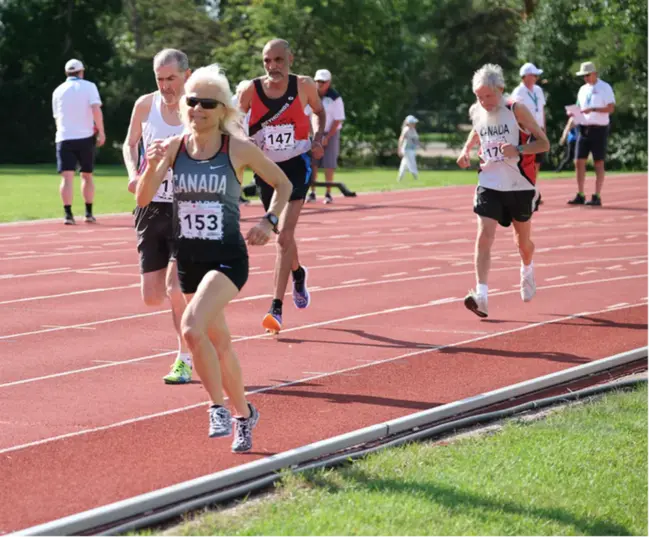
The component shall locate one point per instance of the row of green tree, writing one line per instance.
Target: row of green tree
(389, 58)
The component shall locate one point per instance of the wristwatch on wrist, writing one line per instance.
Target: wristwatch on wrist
(273, 219)
(520, 149)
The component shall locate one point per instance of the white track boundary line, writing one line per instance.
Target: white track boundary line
(439, 257)
(332, 288)
(184, 495)
(436, 302)
(313, 378)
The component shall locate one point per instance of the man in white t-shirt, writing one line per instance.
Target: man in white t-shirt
(76, 107)
(532, 96)
(335, 112)
(596, 101)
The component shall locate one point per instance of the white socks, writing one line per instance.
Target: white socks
(186, 358)
(482, 290)
(526, 269)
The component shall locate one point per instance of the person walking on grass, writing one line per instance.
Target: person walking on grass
(76, 107)
(208, 165)
(407, 146)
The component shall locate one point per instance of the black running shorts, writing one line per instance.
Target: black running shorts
(154, 228)
(298, 170)
(190, 272)
(505, 206)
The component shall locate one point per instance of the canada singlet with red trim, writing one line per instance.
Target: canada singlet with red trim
(279, 127)
(496, 171)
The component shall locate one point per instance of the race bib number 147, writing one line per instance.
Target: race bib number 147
(201, 220)
(279, 137)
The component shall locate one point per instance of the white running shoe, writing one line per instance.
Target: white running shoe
(477, 303)
(528, 287)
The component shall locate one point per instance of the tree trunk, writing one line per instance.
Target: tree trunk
(134, 23)
(67, 39)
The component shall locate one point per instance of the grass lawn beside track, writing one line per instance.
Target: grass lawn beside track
(32, 192)
(580, 471)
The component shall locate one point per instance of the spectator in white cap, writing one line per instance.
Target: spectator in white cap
(335, 112)
(596, 101)
(76, 107)
(407, 146)
(532, 96)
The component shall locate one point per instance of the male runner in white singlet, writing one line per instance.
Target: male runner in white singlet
(156, 116)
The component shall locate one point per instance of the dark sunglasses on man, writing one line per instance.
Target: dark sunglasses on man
(207, 104)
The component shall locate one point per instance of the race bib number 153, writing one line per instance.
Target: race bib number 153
(201, 220)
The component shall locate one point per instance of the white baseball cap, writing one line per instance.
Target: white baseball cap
(411, 119)
(323, 75)
(529, 69)
(72, 66)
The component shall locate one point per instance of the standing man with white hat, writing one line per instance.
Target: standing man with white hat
(532, 96)
(596, 101)
(335, 112)
(76, 107)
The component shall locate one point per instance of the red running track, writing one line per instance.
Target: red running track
(87, 420)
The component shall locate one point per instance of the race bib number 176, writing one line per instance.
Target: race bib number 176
(201, 220)
(492, 151)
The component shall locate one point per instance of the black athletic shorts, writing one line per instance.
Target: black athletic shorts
(154, 228)
(190, 272)
(592, 139)
(298, 170)
(505, 206)
(71, 152)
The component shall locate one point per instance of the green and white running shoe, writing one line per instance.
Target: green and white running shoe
(180, 373)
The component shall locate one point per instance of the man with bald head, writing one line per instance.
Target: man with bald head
(277, 123)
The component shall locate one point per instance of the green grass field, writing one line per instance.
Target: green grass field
(33, 192)
(581, 471)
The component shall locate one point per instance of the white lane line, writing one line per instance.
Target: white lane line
(71, 247)
(362, 252)
(638, 262)
(63, 326)
(614, 267)
(53, 270)
(340, 236)
(587, 272)
(403, 247)
(586, 244)
(401, 229)
(356, 281)
(618, 305)
(68, 294)
(553, 279)
(20, 253)
(104, 264)
(391, 275)
(611, 239)
(304, 380)
(425, 269)
(115, 243)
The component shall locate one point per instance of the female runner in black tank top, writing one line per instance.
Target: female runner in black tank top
(212, 257)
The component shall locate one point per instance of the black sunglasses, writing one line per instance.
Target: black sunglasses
(207, 104)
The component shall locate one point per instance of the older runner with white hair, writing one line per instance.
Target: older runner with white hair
(506, 182)
(208, 165)
(156, 116)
